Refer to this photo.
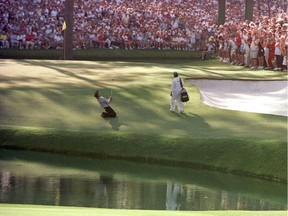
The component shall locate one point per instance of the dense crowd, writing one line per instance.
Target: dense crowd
(130, 24)
(258, 45)
(143, 24)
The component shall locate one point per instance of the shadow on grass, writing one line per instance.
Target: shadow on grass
(115, 123)
(141, 98)
(192, 122)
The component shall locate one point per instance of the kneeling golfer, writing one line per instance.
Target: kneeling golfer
(109, 112)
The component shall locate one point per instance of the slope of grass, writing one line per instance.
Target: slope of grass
(49, 106)
(100, 54)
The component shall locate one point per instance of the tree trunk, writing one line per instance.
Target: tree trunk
(269, 9)
(68, 32)
(221, 11)
(249, 10)
(259, 8)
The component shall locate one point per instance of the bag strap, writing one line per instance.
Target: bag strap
(181, 82)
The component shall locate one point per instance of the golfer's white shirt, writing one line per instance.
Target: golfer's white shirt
(103, 102)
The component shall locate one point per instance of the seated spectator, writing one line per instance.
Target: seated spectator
(210, 49)
(4, 40)
(30, 40)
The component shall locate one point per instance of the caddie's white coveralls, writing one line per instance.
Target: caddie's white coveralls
(176, 94)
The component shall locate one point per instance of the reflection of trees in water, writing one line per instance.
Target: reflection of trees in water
(107, 192)
(5, 184)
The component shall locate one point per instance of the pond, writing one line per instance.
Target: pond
(51, 179)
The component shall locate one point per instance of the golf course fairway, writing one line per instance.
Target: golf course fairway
(48, 105)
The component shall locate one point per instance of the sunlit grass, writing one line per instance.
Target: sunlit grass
(58, 95)
(64, 92)
(30, 210)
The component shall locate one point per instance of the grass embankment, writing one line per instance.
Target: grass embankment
(28, 210)
(101, 54)
(49, 106)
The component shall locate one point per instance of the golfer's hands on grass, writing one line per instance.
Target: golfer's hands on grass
(110, 99)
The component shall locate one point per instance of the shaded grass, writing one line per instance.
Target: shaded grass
(243, 154)
(29, 210)
(49, 106)
(100, 54)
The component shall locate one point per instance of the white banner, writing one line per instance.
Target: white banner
(269, 97)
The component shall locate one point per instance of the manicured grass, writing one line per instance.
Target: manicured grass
(49, 106)
(101, 54)
(28, 210)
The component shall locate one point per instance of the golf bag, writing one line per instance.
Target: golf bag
(184, 93)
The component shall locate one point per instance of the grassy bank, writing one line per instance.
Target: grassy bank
(243, 154)
(49, 106)
(101, 54)
(28, 210)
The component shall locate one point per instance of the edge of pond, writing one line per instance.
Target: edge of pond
(122, 149)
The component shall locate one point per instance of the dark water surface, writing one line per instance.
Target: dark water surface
(50, 179)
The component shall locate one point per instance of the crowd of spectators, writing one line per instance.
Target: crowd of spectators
(144, 24)
(130, 24)
(259, 44)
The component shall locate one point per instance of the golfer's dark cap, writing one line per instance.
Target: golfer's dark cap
(175, 74)
(96, 94)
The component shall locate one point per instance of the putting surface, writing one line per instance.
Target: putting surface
(59, 94)
(44, 102)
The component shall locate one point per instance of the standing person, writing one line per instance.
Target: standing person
(254, 52)
(279, 53)
(271, 46)
(247, 43)
(105, 103)
(193, 40)
(261, 53)
(176, 93)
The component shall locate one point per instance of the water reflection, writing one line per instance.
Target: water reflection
(41, 183)
(172, 192)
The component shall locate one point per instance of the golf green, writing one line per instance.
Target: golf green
(48, 105)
